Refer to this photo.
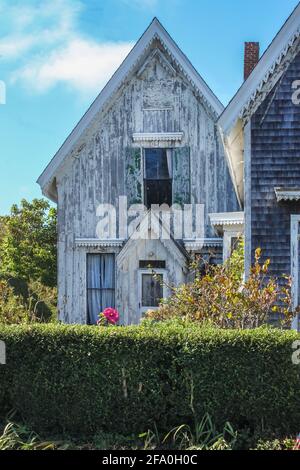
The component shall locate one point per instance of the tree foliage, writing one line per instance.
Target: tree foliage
(28, 263)
(26, 301)
(28, 242)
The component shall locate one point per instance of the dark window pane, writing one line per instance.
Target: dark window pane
(152, 290)
(157, 164)
(158, 192)
(154, 264)
(234, 243)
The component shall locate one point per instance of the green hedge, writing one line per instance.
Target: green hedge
(80, 379)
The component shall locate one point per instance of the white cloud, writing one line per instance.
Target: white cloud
(84, 65)
(12, 47)
(45, 47)
(36, 25)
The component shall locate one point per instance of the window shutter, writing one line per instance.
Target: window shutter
(181, 176)
(133, 175)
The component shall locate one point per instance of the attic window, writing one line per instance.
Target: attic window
(152, 264)
(158, 176)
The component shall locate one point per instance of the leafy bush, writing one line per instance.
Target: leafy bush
(25, 302)
(15, 436)
(284, 444)
(18, 437)
(220, 295)
(202, 436)
(11, 307)
(84, 380)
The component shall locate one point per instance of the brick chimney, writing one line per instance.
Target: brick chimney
(251, 57)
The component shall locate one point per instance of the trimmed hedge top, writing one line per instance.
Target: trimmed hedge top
(82, 379)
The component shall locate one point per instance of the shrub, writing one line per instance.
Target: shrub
(18, 437)
(82, 380)
(25, 302)
(285, 444)
(202, 436)
(220, 295)
(11, 307)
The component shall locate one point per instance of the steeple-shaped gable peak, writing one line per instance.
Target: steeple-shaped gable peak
(155, 31)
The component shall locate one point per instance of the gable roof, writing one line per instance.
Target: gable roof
(154, 31)
(252, 92)
(152, 222)
(272, 57)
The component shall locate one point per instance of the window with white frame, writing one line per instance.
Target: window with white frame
(100, 284)
(151, 288)
(158, 176)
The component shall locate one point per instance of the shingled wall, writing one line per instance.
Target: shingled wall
(275, 161)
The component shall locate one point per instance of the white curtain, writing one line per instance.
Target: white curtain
(169, 160)
(93, 271)
(100, 284)
(107, 273)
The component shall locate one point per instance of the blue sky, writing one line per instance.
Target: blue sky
(56, 55)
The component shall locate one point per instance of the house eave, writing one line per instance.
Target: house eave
(199, 244)
(273, 56)
(253, 91)
(98, 243)
(50, 190)
(157, 137)
(287, 194)
(227, 221)
(227, 218)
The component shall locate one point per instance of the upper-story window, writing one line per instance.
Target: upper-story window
(158, 176)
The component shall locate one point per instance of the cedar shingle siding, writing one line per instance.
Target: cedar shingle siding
(275, 161)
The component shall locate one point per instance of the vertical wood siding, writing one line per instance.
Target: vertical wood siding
(108, 164)
(128, 275)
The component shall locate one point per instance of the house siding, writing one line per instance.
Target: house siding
(275, 161)
(100, 170)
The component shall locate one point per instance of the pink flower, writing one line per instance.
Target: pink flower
(111, 315)
(297, 443)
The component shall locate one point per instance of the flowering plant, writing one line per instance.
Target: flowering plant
(297, 443)
(109, 316)
(220, 295)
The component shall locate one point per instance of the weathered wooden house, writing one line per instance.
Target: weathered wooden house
(261, 135)
(150, 135)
